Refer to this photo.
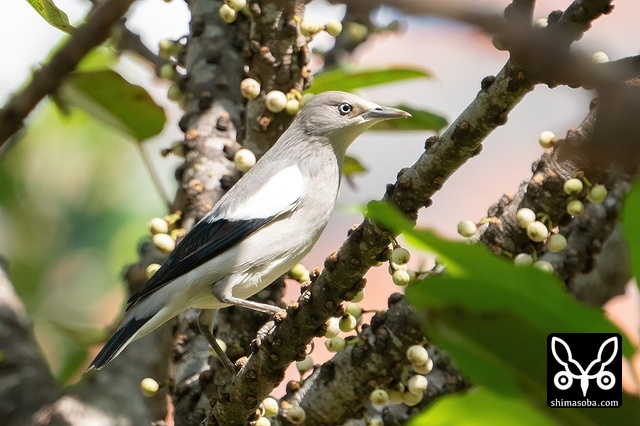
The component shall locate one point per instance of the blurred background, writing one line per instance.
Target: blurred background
(75, 195)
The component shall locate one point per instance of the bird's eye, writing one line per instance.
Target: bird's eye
(344, 108)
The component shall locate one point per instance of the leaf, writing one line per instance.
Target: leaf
(631, 228)
(493, 318)
(479, 407)
(349, 80)
(352, 166)
(54, 16)
(108, 97)
(420, 120)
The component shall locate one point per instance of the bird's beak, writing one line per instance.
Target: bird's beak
(384, 113)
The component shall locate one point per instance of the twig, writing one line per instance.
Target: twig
(47, 79)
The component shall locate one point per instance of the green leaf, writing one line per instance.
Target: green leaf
(480, 407)
(352, 166)
(108, 97)
(420, 120)
(494, 318)
(349, 80)
(631, 227)
(54, 16)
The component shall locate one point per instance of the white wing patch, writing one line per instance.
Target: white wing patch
(276, 196)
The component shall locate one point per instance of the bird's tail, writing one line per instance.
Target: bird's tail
(128, 332)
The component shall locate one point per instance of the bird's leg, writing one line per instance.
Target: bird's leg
(205, 322)
(260, 307)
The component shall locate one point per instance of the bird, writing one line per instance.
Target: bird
(264, 225)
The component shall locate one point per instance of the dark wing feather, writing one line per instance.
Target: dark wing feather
(206, 240)
(116, 341)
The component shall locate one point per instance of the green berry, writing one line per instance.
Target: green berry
(375, 421)
(467, 228)
(573, 186)
(165, 47)
(417, 384)
(174, 93)
(262, 421)
(347, 323)
(250, 88)
(167, 71)
(276, 101)
(599, 58)
(542, 23)
(597, 194)
(177, 49)
(306, 98)
(310, 28)
(157, 225)
(270, 407)
(333, 328)
(395, 397)
(236, 5)
(523, 259)
(335, 344)
(498, 43)
(400, 256)
(401, 278)
(296, 415)
(152, 269)
(355, 310)
(423, 369)
(299, 273)
(358, 297)
(417, 355)
(395, 267)
(333, 27)
(575, 207)
(547, 139)
(164, 242)
(543, 265)
(293, 106)
(221, 344)
(227, 14)
(411, 399)
(525, 217)
(356, 32)
(305, 365)
(379, 397)
(149, 387)
(244, 159)
(556, 243)
(537, 231)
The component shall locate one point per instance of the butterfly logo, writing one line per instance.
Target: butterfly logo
(574, 371)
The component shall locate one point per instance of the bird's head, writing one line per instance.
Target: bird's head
(341, 117)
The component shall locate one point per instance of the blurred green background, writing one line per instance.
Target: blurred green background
(74, 200)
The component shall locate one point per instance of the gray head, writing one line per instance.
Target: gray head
(341, 117)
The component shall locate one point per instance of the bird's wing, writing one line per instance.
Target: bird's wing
(225, 227)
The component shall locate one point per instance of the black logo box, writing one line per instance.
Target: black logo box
(584, 367)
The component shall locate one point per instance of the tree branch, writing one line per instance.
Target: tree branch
(342, 276)
(22, 367)
(47, 79)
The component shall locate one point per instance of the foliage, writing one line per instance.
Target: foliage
(493, 318)
(52, 14)
(71, 215)
(631, 228)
